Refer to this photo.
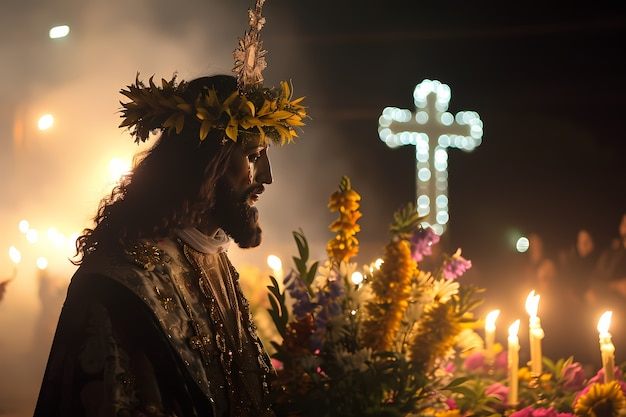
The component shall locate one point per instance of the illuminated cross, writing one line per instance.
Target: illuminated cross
(432, 129)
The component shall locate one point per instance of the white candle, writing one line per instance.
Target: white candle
(490, 335)
(513, 363)
(606, 346)
(535, 334)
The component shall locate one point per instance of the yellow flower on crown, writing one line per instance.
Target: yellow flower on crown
(268, 112)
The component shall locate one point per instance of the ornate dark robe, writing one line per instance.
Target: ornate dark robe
(163, 331)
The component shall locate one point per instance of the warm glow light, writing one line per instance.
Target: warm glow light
(59, 32)
(45, 122)
(15, 255)
(42, 263)
(490, 320)
(24, 226)
(378, 263)
(32, 235)
(274, 262)
(71, 241)
(605, 322)
(532, 304)
(522, 244)
(356, 277)
(118, 167)
(514, 328)
(57, 239)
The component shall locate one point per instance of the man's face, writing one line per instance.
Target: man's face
(238, 191)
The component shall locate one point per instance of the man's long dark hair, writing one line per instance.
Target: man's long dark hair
(172, 185)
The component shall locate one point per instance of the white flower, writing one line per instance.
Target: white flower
(469, 340)
(445, 289)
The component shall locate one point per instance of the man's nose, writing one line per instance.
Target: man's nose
(263, 171)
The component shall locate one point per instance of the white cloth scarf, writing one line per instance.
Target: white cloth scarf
(203, 243)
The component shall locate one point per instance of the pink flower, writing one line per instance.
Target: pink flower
(524, 412)
(450, 368)
(599, 377)
(278, 365)
(455, 266)
(474, 361)
(530, 411)
(502, 360)
(498, 391)
(451, 404)
(573, 377)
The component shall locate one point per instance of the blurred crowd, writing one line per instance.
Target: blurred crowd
(576, 284)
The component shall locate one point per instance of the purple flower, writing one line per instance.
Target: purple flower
(455, 266)
(573, 377)
(327, 305)
(421, 243)
(296, 288)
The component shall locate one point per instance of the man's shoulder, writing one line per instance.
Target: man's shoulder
(138, 263)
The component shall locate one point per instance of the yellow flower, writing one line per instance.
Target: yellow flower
(344, 245)
(448, 413)
(347, 223)
(436, 335)
(347, 200)
(392, 287)
(602, 400)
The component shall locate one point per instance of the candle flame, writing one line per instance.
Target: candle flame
(605, 322)
(490, 320)
(514, 328)
(274, 262)
(532, 303)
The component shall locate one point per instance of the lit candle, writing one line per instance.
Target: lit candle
(535, 334)
(276, 264)
(513, 363)
(606, 346)
(490, 335)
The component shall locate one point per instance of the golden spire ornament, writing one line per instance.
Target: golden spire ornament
(250, 55)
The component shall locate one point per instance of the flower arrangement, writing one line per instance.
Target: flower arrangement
(563, 390)
(399, 340)
(371, 343)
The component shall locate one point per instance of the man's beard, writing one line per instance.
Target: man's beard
(236, 217)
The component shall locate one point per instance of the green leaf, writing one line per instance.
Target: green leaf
(308, 275)
(278, 310)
